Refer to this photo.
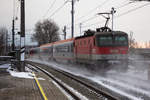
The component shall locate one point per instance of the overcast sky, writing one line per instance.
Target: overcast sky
(137, 21)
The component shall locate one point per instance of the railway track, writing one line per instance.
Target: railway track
(74, 85)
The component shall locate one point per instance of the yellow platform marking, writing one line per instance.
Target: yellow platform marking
(39, 86)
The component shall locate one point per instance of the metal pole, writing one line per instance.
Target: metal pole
(112, 12)
(6, 44)
(72, 12)
(64, 30)
(13, 35)
(80, 28)
(22, 50)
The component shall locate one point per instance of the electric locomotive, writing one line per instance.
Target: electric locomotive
(102, 47)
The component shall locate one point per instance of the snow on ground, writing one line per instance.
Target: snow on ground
(119, 84)
(137, 72)
(70, 68)
(132, 97)
(21, 74)
(27, 75)
(5, 66)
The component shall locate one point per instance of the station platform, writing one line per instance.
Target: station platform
(14, 88)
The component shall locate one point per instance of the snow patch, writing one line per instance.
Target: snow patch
(28, 75)
(118, 91)
(68, 96)
(5, 66)
(141, 75)
(82, 97)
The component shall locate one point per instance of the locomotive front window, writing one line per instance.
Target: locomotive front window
(105, 40)
(112, 40)
(121, 41)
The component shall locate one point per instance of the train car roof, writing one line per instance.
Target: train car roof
(107, 33)
(63, 41)
(46, 45)
(57, 42)
(102, 33)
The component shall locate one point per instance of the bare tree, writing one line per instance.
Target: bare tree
(46, 32)
(3, 40)
(132, 42)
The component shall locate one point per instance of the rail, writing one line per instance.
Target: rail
(92, 88)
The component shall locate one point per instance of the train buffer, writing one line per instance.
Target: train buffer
(28, 86)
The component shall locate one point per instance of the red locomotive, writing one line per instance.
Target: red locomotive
(94, 47)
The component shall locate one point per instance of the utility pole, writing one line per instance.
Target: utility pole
(22, 49)
(13, 35)
(64, 30)
(72, 14)
(6, 43)
(80, 28)
(112, 12)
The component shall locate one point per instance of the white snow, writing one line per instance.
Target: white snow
(82, 97)
(96, 78)
(5, 66)
(27, 75)
(66, 94)
(5, 56)
(119, 91)
(109, 82)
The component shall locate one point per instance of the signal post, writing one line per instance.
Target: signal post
(22, 40)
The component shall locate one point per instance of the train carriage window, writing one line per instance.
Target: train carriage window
(45, 50)
(63, 48)
(71, 47)
(68, 48)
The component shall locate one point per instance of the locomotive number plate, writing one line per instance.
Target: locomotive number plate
(114, 51)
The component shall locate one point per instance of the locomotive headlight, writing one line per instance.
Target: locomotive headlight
(93, 50)
(114, 51)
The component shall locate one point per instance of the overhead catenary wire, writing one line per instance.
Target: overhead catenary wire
(119, 7)
(50, 7)
(93, 17)
(134, 9)
(99, 6)
(92, 24)
(124, 5)
(129, 11)
(58, 9)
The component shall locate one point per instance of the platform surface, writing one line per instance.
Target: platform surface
(14, 88)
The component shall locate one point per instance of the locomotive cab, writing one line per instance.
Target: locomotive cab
(111, 47)
(109, 39)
